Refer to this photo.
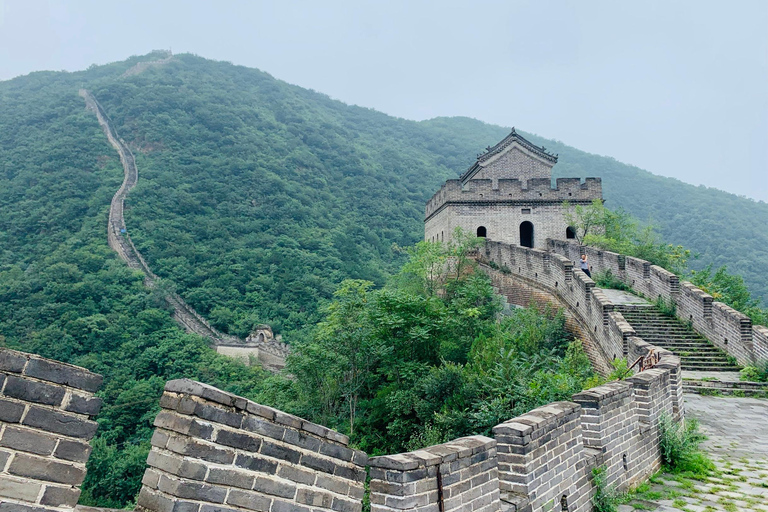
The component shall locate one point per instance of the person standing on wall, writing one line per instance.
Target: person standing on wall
(585, 265)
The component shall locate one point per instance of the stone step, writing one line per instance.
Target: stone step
(695, 351)
(708, 367)
(680, 343)
(708, 387)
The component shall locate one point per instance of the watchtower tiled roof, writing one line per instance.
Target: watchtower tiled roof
(506, 142)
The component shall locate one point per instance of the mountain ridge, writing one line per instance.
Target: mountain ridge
(260, 196)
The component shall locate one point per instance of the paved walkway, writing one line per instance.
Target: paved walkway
(718, 376)
(624, 298)
(737, 429)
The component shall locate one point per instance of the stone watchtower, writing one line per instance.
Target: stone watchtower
(507, 196)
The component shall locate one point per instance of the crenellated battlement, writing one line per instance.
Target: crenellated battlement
(515, 191)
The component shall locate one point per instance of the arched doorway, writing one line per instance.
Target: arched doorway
(482, 232)
(570, 232)
(526, 234)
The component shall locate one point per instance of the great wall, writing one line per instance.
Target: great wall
(271, 354)
(215, 451)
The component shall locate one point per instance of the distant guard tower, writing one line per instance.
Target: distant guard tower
(507, 196)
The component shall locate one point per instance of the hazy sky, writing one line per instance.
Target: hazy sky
(679, 88)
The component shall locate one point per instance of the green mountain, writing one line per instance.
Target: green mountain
(256, 197)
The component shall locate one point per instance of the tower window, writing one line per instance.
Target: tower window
(482, 232)
(570, 232)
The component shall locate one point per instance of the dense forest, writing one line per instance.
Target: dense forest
(263, 202)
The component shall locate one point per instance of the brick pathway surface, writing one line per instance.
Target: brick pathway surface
(738, 444)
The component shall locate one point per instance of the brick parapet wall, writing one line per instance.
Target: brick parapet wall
(45, 426)
(541, 458)
(213, 450)
(602, 327)
(725, 327)
(455, 476)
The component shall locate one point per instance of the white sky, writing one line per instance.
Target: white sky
(679, 88)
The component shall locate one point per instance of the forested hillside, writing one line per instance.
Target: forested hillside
(255, 200)
(256, 197)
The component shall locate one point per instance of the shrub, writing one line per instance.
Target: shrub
(680, 451)
(606, 279)
(757, 373)
(667, 307)
(621, 369)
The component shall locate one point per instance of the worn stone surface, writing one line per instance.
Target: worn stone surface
(740, 480)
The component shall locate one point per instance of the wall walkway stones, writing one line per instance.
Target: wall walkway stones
(46, 410)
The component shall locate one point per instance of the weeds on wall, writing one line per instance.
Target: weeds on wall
(606, 279)
(680, 453)
(667, 307)
(606, 498)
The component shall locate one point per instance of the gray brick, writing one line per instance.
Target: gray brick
(238, 440)
(342, 505)
(61, 373)
(159, 439)
(10, 412)
(45, 469)
(230, 477)
(169, 401)
(192, 490)
(191, 387)
(274, 487)
(285, 506)
(75, 451)
(12, 361)
(336, 451)
(26, 440)
(193, 470)
(4, 456)
(255, 463)
(215, 414)
(217, 508)
(60, 423)
(314, 498)
(60, 496)
(192, 448)
(297, 474)
(263, 427)
(84, 405)
(280, 452)
(302, 440)
(318, 463)
(154, 501)
(18, 489)
(33, 391)
(249, 500)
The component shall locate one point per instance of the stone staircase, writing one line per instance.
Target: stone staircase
(696, 352)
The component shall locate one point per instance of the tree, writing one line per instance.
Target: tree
(346, 333)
